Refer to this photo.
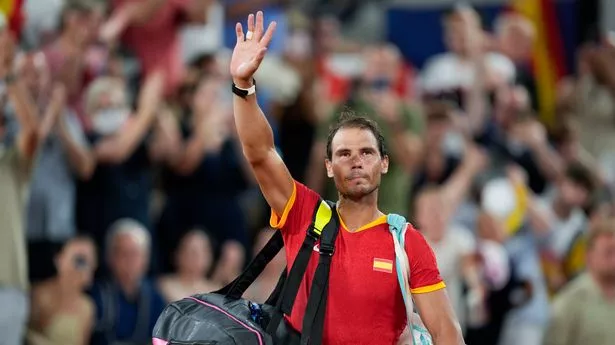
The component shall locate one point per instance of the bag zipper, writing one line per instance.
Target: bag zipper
(243, 324)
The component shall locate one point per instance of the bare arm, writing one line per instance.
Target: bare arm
(439, 317)
(26, 113)
(80, 157)
(120, 146)
(254, 132)
(457, 187)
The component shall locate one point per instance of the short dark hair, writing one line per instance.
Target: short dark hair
(349, 119)
(581, 175)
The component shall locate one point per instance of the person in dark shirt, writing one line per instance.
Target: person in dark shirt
(205, 180)
(121, 183)
(127, 304)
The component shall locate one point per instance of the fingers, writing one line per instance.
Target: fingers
(251, 22)
(239, 32)
(268, 35)
(260, 27)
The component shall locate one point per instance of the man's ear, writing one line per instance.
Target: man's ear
(329, 168)
(384, 165)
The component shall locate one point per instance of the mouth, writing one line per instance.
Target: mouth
(355, 177)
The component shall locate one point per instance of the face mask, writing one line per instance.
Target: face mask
(109, 121)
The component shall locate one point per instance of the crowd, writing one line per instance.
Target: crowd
(122, 185)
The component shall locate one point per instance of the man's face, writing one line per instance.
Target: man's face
(356, 165)
(601, 258)
(129, 258)
(573, 194)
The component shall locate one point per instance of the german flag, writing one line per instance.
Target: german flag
(13, 12)
(548, 60)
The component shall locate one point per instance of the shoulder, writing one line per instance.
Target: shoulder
(298, 209)
(574, 292)
(500, 62)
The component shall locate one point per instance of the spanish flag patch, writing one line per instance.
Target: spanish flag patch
(383, 265)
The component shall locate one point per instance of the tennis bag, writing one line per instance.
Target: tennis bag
(224, 318)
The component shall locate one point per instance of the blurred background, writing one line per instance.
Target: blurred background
(123, 187)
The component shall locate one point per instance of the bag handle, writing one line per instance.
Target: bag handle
(398, 227)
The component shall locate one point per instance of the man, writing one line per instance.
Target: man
(128, 305)
(365, 304)
(583, 312)
(452, 73)
(17, 150)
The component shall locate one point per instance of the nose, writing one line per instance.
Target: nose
(357, 162)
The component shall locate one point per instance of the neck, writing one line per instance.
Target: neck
(188, 278)
(606, 286)
(357, 213)
(67, 40)
(561, 209)
(130, 288)
(65, 288)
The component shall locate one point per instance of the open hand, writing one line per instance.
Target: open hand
(250, 49)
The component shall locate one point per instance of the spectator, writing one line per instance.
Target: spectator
(450, 74)
(67, 55)
(151, 29)
(127, 304)
(453, 245)
(193, 260)
(122, 180)
(61, 313)
(583, 310)
(17, 150)
(516, 39)
(205, 179)
(63, 157)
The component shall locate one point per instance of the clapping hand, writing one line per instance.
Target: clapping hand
(250, 49)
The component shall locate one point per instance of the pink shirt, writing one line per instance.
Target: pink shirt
(157, 43)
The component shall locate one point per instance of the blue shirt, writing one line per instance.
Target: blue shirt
(123, 319)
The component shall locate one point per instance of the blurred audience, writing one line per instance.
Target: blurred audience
(119, 159)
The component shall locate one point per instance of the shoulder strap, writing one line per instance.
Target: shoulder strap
(322, 216)
(314, 317)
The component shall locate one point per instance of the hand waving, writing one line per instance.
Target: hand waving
(250, 49)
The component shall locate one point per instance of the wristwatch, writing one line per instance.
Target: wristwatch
(243, 93)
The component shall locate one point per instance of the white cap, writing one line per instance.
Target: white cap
(499, 198)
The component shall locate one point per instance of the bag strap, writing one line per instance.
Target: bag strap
(314, 317)
(322, 216)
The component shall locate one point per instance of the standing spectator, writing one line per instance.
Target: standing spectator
(122, 180)
(17, 151)
(206, 178)
(451, 73)
(63, 157)
(151, 30)
(67, 55)
(127, 304)
(583, 312)
(61, 313)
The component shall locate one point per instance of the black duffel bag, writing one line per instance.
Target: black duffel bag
(224, 318)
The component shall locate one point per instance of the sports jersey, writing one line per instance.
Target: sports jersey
(364, 304)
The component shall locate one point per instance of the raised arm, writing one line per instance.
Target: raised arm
(254, 132)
